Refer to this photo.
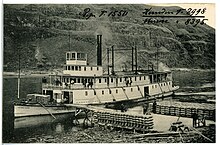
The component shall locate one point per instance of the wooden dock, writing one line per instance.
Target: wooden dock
(115, 119)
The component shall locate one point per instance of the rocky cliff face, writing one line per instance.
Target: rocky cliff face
(43, 33)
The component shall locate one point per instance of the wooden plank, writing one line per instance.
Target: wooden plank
(163, 134)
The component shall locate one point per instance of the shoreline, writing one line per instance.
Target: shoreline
(103, 135)
(47, 73)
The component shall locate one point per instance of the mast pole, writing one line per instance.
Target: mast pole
(108, 59)
(113, 72)
(157, 60)
(132, 59)
(19, 73)
(135, 59)
(69, 41)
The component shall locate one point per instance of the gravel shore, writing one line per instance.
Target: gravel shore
(103, 135)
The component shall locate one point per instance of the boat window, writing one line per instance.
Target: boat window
(78, 80)
(140, 78)
(155, 86)
(79, 68)
(131, 89)
(155, 78)
(135, 78)
(164, 84)
(105, 80)
(76, 67)
(120, 79)
(68, 67)
(94, 92)
(67, 56)
(91, 68)
(74, 79)
(100, 80)
(85, 68)
(165, 76)
(86, 93)
(103, 92)
(138, 88)
(72, 67)
(161, 84)
(152, 86)
(112, 80)
(97, 68)
(73, 56)
(116, 91)
(151, 79)
(110, 91)
(78, 56)
(144, 77)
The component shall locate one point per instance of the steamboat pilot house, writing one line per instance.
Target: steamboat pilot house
(86, 84)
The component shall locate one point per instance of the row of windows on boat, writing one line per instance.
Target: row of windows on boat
(116, 91)
(82, 80)
(74, 56)
(127, 80)
(80, 68)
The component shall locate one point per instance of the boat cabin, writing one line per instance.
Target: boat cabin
(76, 65)
(38, 98)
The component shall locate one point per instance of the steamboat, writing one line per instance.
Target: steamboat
(81, 83)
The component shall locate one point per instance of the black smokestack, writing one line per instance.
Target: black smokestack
(99, 50)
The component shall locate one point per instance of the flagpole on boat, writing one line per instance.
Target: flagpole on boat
(19, 74)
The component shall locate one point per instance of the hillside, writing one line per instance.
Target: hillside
(42, 34)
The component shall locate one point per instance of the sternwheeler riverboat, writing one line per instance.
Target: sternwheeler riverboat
(81, 83)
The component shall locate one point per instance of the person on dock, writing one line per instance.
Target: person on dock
(195, 118)
(154, 107)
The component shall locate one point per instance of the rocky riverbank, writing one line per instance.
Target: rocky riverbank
(103, 135)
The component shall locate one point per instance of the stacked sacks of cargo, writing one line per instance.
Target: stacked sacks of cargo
(122, 120)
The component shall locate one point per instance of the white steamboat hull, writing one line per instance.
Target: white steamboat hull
(29, 121)
(34, 115)
(35, 110)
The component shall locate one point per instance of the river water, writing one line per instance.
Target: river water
(185, 79)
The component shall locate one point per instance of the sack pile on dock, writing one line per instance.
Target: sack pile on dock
(183, 111)
(208, 106)
(123, 120)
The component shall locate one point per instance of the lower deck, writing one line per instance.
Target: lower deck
(109, 94)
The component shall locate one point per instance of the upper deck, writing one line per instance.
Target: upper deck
(76, 58)
(121, 79)
(76, 65)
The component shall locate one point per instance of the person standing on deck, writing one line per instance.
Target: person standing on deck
(195, 118)
(154, 107)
